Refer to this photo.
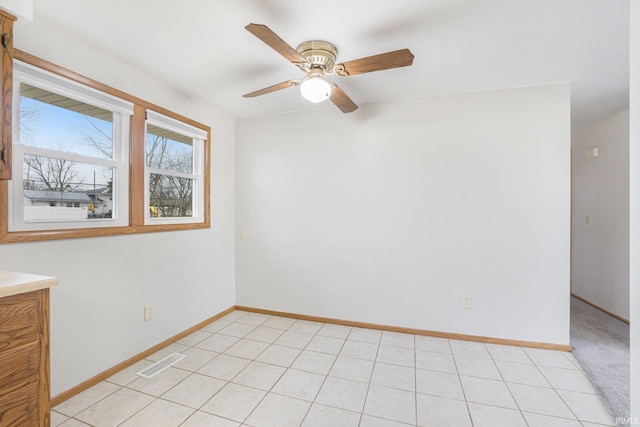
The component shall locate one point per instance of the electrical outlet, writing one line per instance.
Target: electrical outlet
(243, 234)
(148, 313)
(467, 301)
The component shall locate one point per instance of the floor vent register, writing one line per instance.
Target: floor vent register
(161, 365)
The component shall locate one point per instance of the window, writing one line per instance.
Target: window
(89, 160)
(70, 151)
(173, 172)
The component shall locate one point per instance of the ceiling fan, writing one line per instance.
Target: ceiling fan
(317, 59)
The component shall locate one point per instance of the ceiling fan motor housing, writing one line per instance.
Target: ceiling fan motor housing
(320, 54)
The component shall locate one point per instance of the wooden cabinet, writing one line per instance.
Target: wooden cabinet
(24, 358)
(6, 90)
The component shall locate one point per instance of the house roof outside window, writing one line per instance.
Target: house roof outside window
(57, 196)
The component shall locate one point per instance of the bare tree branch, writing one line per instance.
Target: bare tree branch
(97, 138)
(52, 174)
(27, 118)
(172, 196)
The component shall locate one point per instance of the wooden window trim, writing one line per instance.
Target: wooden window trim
(136, 170)
(6, 90)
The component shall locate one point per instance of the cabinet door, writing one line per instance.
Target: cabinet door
(20, 407)
(21, 366)
(6, 89)
(24, 360)
(19, 320)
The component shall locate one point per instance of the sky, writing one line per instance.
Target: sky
(47, 126)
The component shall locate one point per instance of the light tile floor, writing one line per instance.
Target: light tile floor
(249, 369)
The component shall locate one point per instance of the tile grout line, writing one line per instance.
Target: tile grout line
(466, 402)
(235, 376)
(553, 388)
(195, 371)
(326, 376)
(121, 387)
(287, 368)
(73, 417)
(366, 395)
(376, 363)
(507, 386)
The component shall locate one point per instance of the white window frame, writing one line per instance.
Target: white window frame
(199, 137)
(122, 111)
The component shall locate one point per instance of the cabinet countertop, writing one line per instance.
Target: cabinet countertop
(13, 283)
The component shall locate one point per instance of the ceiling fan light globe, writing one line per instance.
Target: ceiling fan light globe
(315, 89)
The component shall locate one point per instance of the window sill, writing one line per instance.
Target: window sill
(38, 236)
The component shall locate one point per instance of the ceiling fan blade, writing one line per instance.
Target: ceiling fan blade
(341, 100)
(273, 88)
(383, 61)
(274, 41)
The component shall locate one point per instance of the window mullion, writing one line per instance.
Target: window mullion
(171, 173)
(43, 152)
(137, 187)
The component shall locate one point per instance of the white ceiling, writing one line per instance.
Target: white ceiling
(200, 47)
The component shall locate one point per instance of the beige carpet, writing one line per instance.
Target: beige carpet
(601, 345)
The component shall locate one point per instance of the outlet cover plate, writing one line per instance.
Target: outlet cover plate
(148, 313)
(467, 302)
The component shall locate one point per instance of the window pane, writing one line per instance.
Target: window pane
(55, 122)
(170, 196)
(169, 150)
(62, 190)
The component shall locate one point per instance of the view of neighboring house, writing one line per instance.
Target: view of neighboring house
(102, 201)
(48, 204)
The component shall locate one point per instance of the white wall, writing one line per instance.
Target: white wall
(104, 283)
(600, 190)
(634, 175)
(389, 215)
(20, 8)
